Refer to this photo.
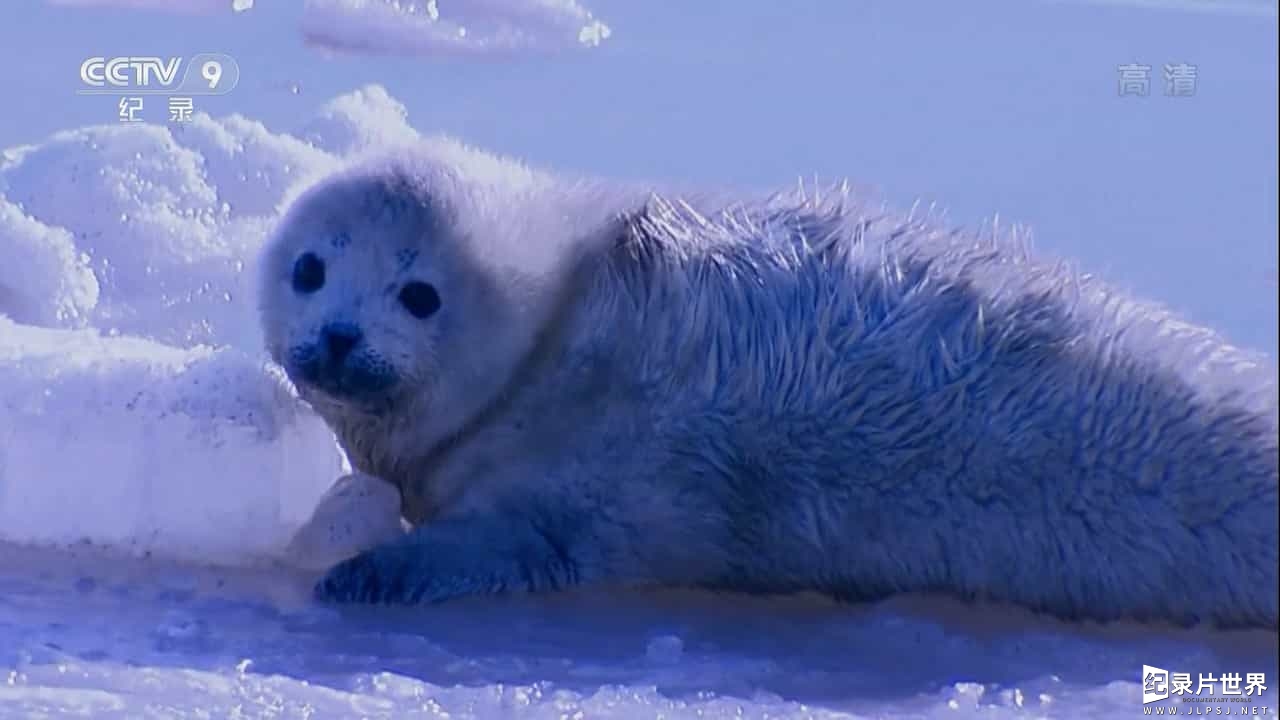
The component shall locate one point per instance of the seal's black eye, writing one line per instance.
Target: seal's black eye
(308, 274)
(420, 299)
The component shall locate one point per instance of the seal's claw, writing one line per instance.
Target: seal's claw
(364, 578)
(346, 582)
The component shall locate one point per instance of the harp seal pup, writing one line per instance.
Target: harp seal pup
(571, 384)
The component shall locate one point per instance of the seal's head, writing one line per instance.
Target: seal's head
(355, 292)
(402, 293)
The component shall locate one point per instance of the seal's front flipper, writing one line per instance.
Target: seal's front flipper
(454, 557)
(359, 512)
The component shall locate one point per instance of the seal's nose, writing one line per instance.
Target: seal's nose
(339, 339)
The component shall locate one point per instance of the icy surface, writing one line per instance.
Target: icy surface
(130, 640)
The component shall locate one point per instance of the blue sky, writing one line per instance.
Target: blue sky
(982, 107)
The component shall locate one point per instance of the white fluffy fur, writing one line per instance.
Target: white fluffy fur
(786, 394)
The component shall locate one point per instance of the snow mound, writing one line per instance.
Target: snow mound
(55, 285)
(479, 27)
(471, 28)
(358, 121)
(198, 454)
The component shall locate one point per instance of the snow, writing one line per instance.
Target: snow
(183, 6)
(419, 27)
(431, 27)
(154, 467)
(128, 443)
(123, 640)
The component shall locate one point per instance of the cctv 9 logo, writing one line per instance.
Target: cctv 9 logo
(203, 74)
